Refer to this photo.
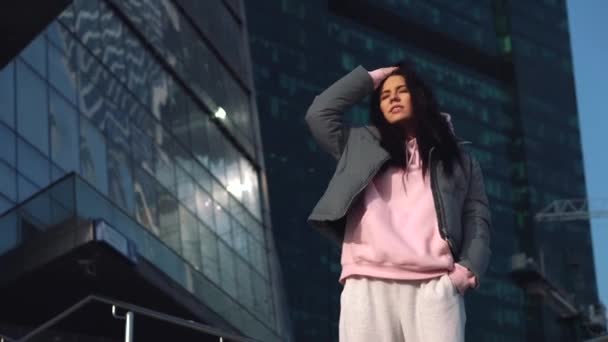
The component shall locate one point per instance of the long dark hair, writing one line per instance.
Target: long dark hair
(430, 127)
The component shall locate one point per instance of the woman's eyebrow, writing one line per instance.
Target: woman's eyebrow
(399, 86)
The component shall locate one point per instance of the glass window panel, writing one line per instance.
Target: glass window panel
(217, 154)
(112, 33)
(260, 259)
(209, 253)
(87, 24)
(261, 296)
(7, 94)
(245, 291)
(168, 215)
(67, 17)
(199, 122)
(165, 170)
(56, 172)
(186, 189)
(223, 226)
(190, 237)
(146, 200)
(143, 149)
(92, 102)
(257, 255)
(120, 179)
(93, 164)
(205, 207)
(61, 74)
(220, 194)
(32, 108)
(175, 113)
(234, 182)
(25, 188)
(117, 125)
(64, 132)
(227, 271)
(5, 204)
(241, 239)
(8, 181)
(7, 152)
(142, 72)
(35, 54)
(202, 176)
(238, 211)
(32, 164)
(56, 34)
(251, 197)
(138, 116)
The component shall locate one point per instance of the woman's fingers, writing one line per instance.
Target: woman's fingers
(380, 74)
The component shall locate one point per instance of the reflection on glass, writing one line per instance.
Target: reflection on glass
(112, 32)
(251, 198)
(199, 123)
(32, 107)
(61, 73)
(169, 219)
(165, 169)
(217, 153)
(209, 253)
(87, 23)
(190, 238)
(223, 225)
(185, 189)
(205, 207)
(93, 165)
(120, 180)
(220, 113)
(146, 200)
(143, 150)
(64, 132)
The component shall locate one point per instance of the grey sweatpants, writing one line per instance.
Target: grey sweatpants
(383, 310)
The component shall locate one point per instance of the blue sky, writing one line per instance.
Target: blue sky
(588, 30)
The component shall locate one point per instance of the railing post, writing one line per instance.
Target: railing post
(130, 320)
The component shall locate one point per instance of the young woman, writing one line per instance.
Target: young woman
(408, 206)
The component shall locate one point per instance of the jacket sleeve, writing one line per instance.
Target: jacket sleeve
(325, 116)
(476, 220)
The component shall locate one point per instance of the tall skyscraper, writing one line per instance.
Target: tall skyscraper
(503, 69)
(132, 125)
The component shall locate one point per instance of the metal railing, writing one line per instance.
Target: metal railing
(4, 338)
(129, 317)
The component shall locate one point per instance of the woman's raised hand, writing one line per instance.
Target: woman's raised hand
(380, 74)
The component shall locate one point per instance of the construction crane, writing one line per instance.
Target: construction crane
(573, 209)
(530, 275)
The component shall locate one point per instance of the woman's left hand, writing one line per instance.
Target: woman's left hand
(462, 278)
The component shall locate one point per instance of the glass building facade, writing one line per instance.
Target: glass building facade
(151, 103)
(503, 69)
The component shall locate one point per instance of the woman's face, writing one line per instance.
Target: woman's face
(395, 102)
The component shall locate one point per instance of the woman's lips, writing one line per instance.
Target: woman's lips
(396, 109)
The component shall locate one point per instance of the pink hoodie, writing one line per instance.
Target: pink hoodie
(393, 233)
